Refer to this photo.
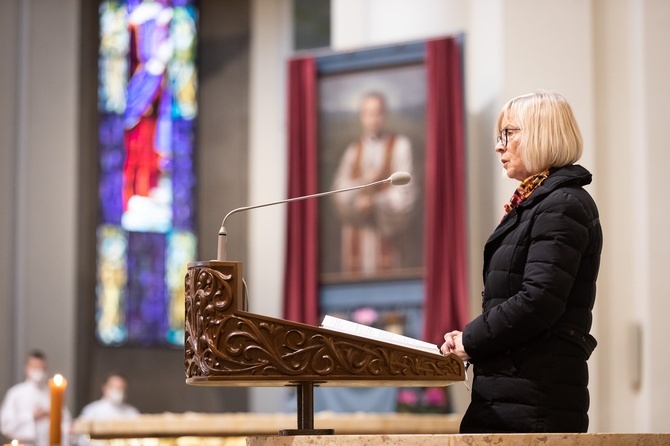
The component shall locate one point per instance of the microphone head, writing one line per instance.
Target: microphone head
(400, 178)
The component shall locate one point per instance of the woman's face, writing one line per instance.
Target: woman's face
(509, 155)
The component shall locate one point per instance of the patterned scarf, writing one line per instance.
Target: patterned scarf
(526, 188)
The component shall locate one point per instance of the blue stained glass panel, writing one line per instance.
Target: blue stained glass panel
(147, 106)
(147, 298)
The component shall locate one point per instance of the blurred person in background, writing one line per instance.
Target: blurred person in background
(112, 403)
(25, 409)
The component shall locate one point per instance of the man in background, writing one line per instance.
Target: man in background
(112, 404)
(24, 415)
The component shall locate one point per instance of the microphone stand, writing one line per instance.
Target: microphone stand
(396, 179)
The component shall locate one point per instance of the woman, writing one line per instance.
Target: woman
(530, 345)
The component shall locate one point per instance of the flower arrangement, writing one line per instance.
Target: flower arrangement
(423, 400)
(365, 316)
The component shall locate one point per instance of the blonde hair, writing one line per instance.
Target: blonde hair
(550, 135)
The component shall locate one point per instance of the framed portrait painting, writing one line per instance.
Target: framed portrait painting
(371, 114)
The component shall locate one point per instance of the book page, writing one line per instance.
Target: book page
(345, 326)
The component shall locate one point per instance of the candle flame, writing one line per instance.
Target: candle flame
(15, 442)
(58, 380)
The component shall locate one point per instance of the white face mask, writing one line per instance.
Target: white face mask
(115, 396)
(36, 375)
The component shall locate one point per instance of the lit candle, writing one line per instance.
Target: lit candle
(57, 385)
(13, 443)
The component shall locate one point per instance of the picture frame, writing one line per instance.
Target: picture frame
(350, 85)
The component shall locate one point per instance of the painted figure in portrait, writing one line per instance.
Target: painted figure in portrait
(372, 218)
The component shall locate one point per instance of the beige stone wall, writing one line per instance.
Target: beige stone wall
(39, 170)
(8, 98)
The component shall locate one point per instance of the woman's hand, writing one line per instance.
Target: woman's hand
(454, 344)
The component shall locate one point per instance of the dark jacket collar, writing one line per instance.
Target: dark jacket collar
(571, 175)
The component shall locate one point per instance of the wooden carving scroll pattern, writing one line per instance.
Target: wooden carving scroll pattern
(221, 342)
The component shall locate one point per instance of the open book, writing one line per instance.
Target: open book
(365, 331)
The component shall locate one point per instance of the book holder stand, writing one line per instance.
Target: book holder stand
(227, 346)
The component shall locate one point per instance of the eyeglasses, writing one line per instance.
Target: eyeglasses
(503, 138)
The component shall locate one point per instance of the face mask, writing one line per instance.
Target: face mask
(115, 396)
(36, 375)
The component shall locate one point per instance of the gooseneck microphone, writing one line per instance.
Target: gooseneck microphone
(396, 179)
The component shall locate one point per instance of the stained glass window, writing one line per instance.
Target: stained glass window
(147, 109)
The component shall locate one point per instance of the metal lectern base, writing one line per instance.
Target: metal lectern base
(306, 413)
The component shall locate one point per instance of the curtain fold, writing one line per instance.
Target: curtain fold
(301, 265)
(446, 287)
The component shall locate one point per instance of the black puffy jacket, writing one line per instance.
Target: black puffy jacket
(530, 345)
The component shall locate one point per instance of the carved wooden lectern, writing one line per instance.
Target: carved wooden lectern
(227, 346)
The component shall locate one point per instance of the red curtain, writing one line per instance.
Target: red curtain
(446, 299)
(301, 275)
